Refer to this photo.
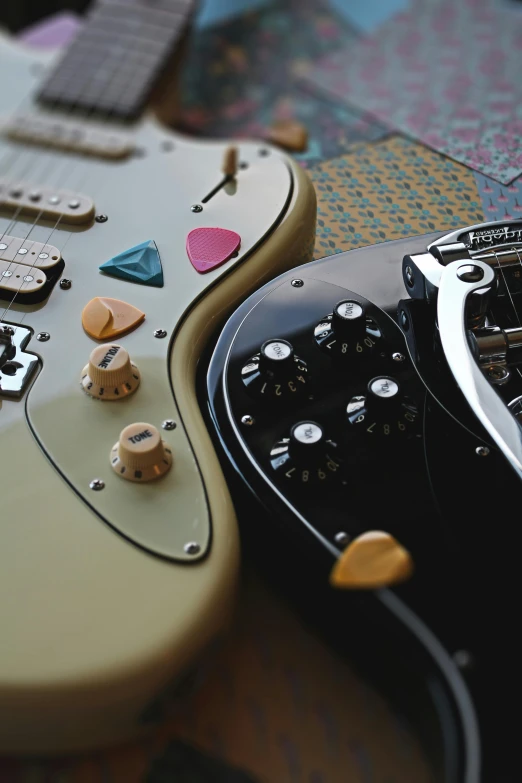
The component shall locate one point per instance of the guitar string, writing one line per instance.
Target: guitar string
(107, 119)
(103, 122)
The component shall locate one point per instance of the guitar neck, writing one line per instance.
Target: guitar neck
(114, 63)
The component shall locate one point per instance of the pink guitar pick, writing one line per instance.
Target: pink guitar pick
(210, 247)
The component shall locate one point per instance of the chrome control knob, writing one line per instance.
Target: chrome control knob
(307, 457)
(275, 373)
(383, 412)
(347, 332)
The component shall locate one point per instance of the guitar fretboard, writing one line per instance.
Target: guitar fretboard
(113, 64)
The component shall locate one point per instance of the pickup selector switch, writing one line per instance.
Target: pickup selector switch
(347, 332)
(110, 374)
(307, 457)
(140, 454)
(383, 411)
(275, 373)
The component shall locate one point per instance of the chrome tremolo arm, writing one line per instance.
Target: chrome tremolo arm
(457, 281)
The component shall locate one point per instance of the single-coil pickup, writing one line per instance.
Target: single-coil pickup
(25, 251)
(20, 277)
(46, 203)
(68, 135)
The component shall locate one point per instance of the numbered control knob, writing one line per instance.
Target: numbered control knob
(306, 457)
(140, 454)
(347, 332)
(383, 411)
(275, 373)
(110, 374)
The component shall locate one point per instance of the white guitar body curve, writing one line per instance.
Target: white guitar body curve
(94, 626)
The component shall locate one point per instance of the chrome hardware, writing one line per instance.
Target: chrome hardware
(196, 208)
(247, 420)
(482, 451)
(43, 337)
(101, 218)
(484, 401)
(160, 333)
(97, 484)
(297, 283)
(16, 366)
(192, 548)
(168, 424)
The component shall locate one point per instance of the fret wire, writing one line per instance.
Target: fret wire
(134, 40)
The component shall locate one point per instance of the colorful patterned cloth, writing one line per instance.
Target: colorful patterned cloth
(445, 73)
(240, 77)
(389, 190)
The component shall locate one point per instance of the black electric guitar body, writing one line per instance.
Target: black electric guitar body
(371, 399)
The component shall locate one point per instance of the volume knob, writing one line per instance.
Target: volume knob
(110, 374)
(140, 454)
(383, 411)
(307, 456)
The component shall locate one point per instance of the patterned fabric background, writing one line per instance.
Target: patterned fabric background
(392, 189)
(412, 75)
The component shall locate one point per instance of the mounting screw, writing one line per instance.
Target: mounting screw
(192, 548)
(263, 152)
(97, 484)
(7, 330)
(398, 357)
(482, 451)
(169, 424)
(247, 420)
(410, 279)
(298, 283)
(43, 336)
(498, 374)
(463, 659)
(405, 323)
(65, 284)
(243, 164)
(469, 273)
(342, 538)
(160, 333)
(101, 218)
(196, 208)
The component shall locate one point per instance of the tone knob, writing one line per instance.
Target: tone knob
(140, 454)
(275, 372)
(306, 457)
(383, 411)
(110, 374)
(347, 332)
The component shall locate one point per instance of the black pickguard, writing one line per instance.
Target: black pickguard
(454, 510)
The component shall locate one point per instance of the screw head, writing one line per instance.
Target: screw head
(398, 357)
(482, 451)
(263, 152)
(101, 218)
(196, 208)
(192, 548)
(43, 336)
(160, 333)
(405, 323)
(169, 424)
(298, 283)
(8, 330)
(463, 659)
(410, 278)
(247, 420)
(97, 484)
(470, 273)
(243, 164)
(341, 538)
(498, 374)
(65, 284)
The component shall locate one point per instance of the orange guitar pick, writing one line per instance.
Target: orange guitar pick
(105, 319)
(374, 559)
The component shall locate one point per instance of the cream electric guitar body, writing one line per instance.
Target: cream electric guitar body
(111, 589)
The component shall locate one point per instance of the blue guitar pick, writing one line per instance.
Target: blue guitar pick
(140, 264)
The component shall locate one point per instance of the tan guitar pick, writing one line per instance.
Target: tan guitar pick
(374, 559)
(105, 319)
